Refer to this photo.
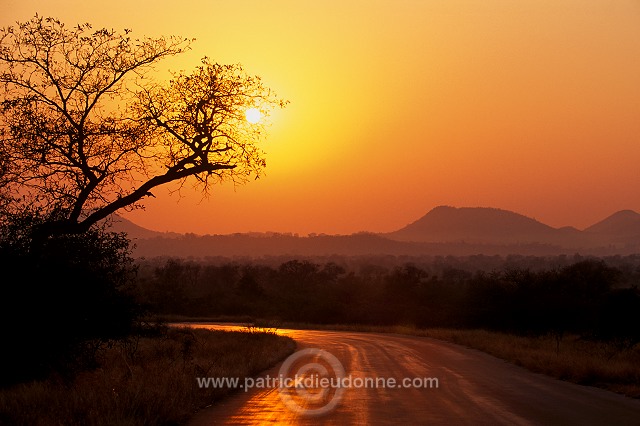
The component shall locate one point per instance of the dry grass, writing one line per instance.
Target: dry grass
(151, 383)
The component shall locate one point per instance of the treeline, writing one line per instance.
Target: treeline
(593, 297)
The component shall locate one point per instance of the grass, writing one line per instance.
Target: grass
(147, 382)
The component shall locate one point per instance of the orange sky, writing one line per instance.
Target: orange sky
(400, 106)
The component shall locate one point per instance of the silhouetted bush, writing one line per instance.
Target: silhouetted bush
(619, 318)
(62, 300)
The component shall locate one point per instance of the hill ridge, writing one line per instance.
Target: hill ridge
(473, 224)
(443, 230)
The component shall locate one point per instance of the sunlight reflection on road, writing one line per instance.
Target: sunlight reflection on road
(242, 327)
(265, 406)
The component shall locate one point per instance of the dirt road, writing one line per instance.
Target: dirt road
(434, 383)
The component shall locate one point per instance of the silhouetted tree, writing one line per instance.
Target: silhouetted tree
(85, 131)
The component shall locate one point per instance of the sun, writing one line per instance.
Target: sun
(253, 115)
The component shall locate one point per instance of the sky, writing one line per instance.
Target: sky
(400, 106)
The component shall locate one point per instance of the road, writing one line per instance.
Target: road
(472, 388)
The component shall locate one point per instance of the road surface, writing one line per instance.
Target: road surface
(462, 387)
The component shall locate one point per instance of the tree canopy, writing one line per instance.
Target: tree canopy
(85, 129)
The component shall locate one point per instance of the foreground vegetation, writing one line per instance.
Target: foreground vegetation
(149, 381)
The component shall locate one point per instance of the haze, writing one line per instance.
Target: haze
(400, 106)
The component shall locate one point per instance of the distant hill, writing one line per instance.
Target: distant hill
(622, 227)
(442, 231)
(133, 231)
(474, 225)
(495, 226)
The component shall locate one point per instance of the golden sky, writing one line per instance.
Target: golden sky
(399, 106)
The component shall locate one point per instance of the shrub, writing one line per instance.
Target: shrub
(62, 301)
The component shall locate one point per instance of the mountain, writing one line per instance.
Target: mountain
(481, 225)
(622, 227)
(120, 224)
(619, 233)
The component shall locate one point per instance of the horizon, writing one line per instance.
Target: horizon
(364, 231)
(397, 107)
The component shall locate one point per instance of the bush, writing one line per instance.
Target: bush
(62, 301)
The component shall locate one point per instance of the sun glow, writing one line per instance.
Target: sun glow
(253, 115)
